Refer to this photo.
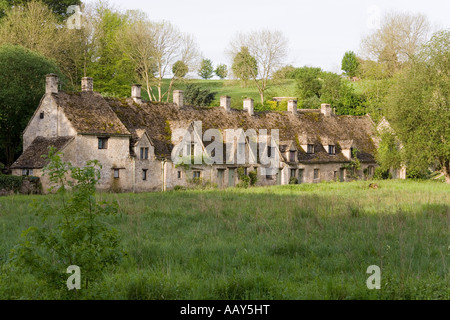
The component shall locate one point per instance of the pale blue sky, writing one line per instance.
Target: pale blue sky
(319, 31)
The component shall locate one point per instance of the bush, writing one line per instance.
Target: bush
(196, 96)
(253, 175)
(245, 180)
(11, 183)
(293, 180)
(381, 174)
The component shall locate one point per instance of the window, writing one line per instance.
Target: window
(103, 143)
(116, 173)
(335, 176)
(144, 174)
(27, 172)
(213, 153)
(192, 149)
(179, 174)
(293, 173)
(292, 156)
(269, 152)
(269, 177)
(370, 170)
(331, 149)
(144, 153)
(316, 174)
(310, 148)
(245, 171)
(196, 174)
(41, 115)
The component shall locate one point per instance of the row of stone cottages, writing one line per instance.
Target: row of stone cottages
(133, 140)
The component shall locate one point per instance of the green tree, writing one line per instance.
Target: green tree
(350, 64)
(111, 69)
(286, 72)
(244, 66)
(309, 86)
(330, 91)
(196, 96)
(59, 7)
(418, 107)
(180, 69)
(72, 232)
(22, 73)
(206, 70)
(221, 71)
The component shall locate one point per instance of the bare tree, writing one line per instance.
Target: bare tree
(154, 48)
(269, 48)
(399, 38)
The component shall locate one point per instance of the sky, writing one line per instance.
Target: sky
(319, 32)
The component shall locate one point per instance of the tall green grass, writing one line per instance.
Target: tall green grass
(310, 241)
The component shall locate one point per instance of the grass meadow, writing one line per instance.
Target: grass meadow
(310, 241)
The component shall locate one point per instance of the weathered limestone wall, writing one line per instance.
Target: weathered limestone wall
(117, 155)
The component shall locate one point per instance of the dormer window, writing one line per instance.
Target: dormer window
(41, 115)
(144, 153)
(292, 156)
(331, 149)
(310, 149)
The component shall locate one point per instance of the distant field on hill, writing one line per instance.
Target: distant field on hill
(233, 89)
(310, 241)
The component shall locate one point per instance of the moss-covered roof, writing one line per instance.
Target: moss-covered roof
(31, 158)
(90, 114)
(161, 119)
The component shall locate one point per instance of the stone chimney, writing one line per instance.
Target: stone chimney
(87, 84)
(178, 98)
(136, 93)
(51, 83)
(326, 110)
(225, 102)
(249, 106)
(292, 106)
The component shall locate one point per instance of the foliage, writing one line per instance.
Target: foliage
(253, 175)
(354, 166)
(350, 64)
(388, 153)
(293, 180)
(59, 7)
(308, 84)
(417, 107)
(180, 69)
(206, 70)
(286, 72)
(382, 174)
(22, 73)
(76, 235)
(10, 183)
(198, 96)
(221, 71)
(244, 65)
(110, 67)
(243, 178)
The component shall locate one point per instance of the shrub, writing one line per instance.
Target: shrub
(196, 96)
(11, 183)
(293, 180)
(75, 235)
(381, 174)
(245, 180)
(253, 175)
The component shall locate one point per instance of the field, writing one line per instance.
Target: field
(233, 88)
(286, 242)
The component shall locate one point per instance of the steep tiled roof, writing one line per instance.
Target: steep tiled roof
(90, 114)
(31, 158)
(161, 119)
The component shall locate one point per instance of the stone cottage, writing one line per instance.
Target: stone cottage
(134, 140)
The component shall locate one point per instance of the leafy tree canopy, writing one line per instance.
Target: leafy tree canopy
(23, 74)
(206, 70)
